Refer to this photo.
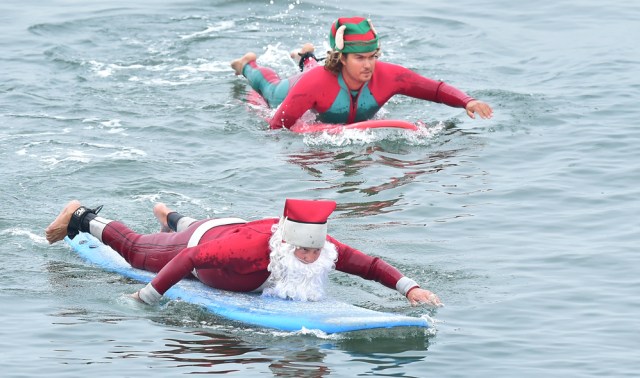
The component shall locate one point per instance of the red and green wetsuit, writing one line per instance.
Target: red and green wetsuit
(327, 94)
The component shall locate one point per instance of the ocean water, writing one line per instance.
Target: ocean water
(526, 225)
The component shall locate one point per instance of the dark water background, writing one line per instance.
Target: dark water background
(526, 225)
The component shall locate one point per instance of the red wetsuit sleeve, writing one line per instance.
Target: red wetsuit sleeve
(352, 261)
(292, 108)
(316, 89)
(178, 268)
(390, 79)
(241, 253)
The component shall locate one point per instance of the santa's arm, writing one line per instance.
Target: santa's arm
(352, 261)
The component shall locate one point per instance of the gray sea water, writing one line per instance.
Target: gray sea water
(526, 225)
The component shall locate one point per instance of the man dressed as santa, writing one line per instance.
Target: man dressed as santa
(288, 257)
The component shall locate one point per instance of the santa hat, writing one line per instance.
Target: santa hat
(305, 222)
(353, 35)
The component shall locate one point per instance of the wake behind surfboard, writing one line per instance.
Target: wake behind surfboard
(329, 316)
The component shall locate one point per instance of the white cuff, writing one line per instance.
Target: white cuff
(405, 284)
(97, 225)
(149, 295)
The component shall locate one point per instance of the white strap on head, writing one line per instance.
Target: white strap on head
(340, 37)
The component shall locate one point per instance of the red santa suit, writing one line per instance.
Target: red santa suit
(230, 257)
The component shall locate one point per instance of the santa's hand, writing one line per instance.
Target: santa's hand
(418, 296)
(136, 296)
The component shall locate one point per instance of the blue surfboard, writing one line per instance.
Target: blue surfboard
(329, 316)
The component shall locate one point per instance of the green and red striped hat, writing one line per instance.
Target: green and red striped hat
(353, 35)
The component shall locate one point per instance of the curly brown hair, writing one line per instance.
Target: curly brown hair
(332, 62)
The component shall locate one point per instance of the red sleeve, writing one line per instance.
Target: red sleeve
(243, 252)
(291, 109)
(390, 79)
(352, 261)
(316, 89)
(175, 270)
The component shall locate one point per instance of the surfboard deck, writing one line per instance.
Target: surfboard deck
(301, 127)
(329, 316)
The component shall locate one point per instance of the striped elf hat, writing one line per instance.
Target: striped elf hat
(353, 35)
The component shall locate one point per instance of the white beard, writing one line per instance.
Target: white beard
(291, 278)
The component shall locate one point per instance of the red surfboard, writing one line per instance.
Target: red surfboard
(364, 125)
(302, 128)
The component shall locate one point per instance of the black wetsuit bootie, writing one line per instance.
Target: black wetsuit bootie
(172, 220)
(80, 219)
(304, 57)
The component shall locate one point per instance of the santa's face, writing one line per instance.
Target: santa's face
(299, 273)
(307, 255)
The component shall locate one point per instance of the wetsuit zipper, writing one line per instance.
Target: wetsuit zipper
(353, 106)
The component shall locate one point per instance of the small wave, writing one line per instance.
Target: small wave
(73, 156)
(28, 233)
(108, 69)
(221, 26)
(40, 116)
(111, 123)
(217, 66)
(179, 200)
(101, 152)
(128, 153)
(423, 136)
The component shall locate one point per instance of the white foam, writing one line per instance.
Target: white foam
(28, 233)
(127, 153)
(424, 135)
(220, 26)
(111, 123)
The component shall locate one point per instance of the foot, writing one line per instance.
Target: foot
(239, 63)
(57, 230)
(306, 48)
(160, 211)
